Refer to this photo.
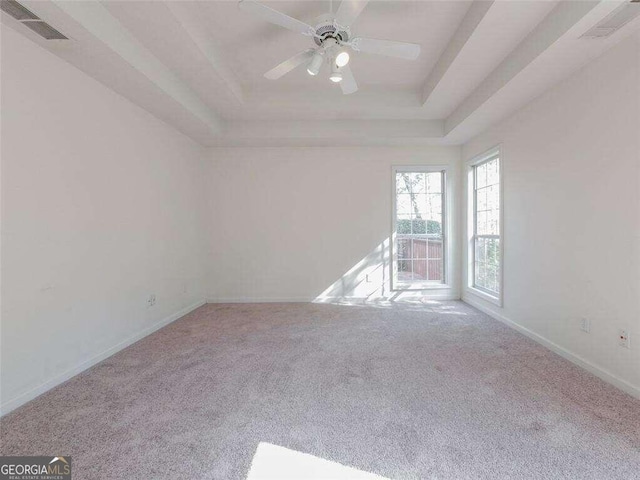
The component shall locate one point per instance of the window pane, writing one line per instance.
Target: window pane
(434, 226)
(403, 204)
(492, 251)
(481, 199)
(481, 250)
(486, 250)
(419, 226)
(434, 203)
(481, 175)
(403, 225)
(435, 250)
(493, 220)
(493, 198)
(403, 248)
(402, 185)
(410, 182)
(418, 182)
(404, 271)
(420, 270)
(481, 222)
(435, 270)
(419, 213)
(487, 264)
(420, 248)
(421, 206)
(492, 272)
(492, 172)
(480, 275)
(404, 266)
(434, 182)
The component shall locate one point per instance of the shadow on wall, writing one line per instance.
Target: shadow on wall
(368, 283)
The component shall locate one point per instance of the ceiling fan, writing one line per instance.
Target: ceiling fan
(333, 39)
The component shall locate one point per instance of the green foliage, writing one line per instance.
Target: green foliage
(493, 252)
(420, 227)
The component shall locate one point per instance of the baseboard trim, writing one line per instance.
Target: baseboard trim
(337, 299)
(23, 398)
(554, 347)
(374, 301)
(260, 300)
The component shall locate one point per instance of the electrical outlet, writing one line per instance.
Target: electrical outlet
(623, 338)
(585, 325)
(151, 301)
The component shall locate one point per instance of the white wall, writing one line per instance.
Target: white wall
(290, 223)
(102, 205)
(571, 169)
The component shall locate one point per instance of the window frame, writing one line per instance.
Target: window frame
(425, 285)
(493, 297)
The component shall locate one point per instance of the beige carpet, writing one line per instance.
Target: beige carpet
(437, 391)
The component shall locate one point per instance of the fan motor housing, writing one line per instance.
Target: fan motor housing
(325, 28)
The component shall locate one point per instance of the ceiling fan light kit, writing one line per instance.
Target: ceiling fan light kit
(333, 39)
(336, 74)
(342, 58)
(315, 64)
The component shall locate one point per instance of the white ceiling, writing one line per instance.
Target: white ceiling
(199, 65)
(255, 46)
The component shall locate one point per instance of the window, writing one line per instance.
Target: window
(485, 247)
(418, 228)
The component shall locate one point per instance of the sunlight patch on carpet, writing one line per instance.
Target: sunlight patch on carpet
(272, 462)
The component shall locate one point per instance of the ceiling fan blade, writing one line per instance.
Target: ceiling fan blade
(349, 10)
(275, 17)
(348, 83)
(288, 65)
(407, 51)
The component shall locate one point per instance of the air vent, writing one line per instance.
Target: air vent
(30, 20)
(615, 20)
(16, 10)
